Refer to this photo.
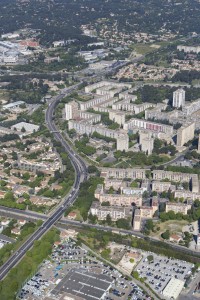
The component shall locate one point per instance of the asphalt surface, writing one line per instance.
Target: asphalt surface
(80, 175)
(63, 223)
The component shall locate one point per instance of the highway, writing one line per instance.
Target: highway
(64, 223)
(80, 175)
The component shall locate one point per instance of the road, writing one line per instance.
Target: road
(80, 175)
(139, 283)
(63, 223)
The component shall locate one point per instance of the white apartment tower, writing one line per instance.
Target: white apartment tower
(71, 110)
(179, 98)
(198, 150)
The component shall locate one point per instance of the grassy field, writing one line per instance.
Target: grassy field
(173, 226)
(143, 48)
(4, 96)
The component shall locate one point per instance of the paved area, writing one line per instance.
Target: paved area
(161, 270)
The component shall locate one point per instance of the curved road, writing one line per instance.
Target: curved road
(80, 175)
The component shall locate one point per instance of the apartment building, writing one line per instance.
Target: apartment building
(121, 200)
(185, 133)
(198, 149)
(90, 117)
(186, 195)
(117, 117)
(123, 173)
(95, 86)
(179, 98)
(116, 184)
(178, 207)
(115, 213)
(93, 102)
(158, 113)
(142, 213)
(71, 110)
(143, 124)
(160, 186)
(137, 220)
(173, 176)
(133, 191)
(83, 127)
(191, 107)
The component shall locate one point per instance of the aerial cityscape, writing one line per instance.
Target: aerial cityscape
(99, 149)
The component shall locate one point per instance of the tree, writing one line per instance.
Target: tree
(108, 219)
(92, 169)
(9, 196)
(166, 235)
(105, 203)
(135, 275)
(185, 185)
(92, 218)
(150, 258)
(149, 225)
(123, 223)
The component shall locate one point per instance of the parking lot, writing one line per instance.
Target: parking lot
(161, 270)
(72, 270)
(3, 243)
(68, 251)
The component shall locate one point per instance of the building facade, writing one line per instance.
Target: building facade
(185, 133)
(179, 98)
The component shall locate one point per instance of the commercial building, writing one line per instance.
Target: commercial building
(13, 105)
(188, 49)
(84, 284)
(71, 110)
(179, 98)
(173, 288)
(123, 173)
(178, 207)
(27, 127)
(185, 133)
